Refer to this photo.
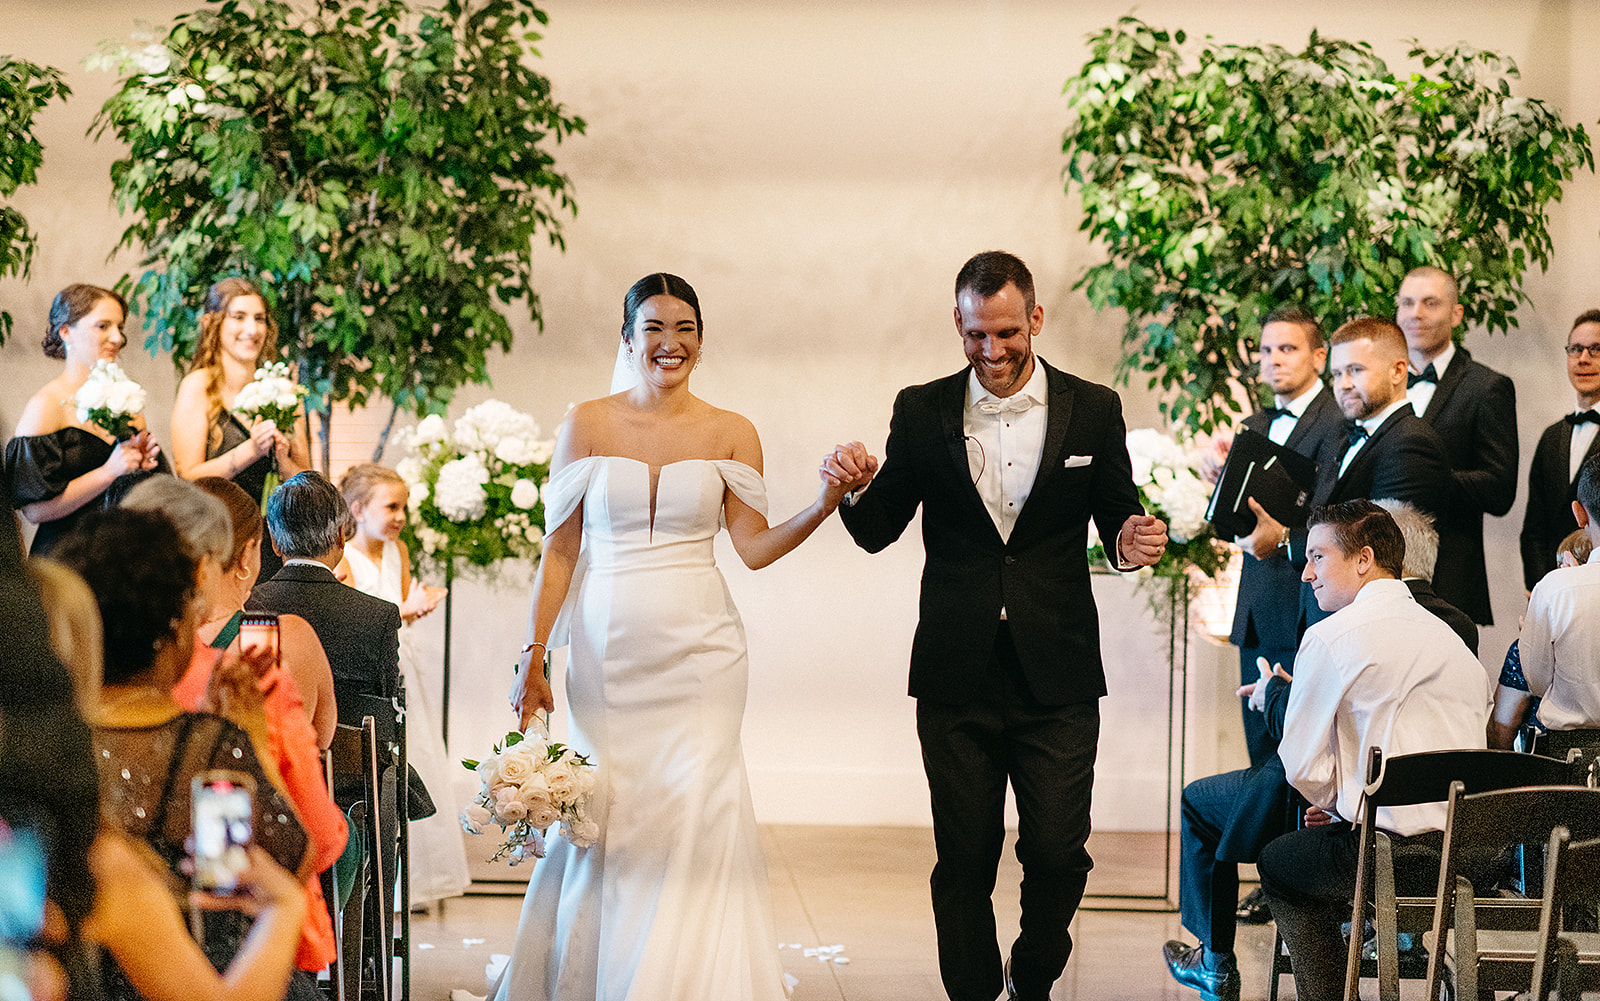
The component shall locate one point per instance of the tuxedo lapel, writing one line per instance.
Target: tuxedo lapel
(1060, 414)
(952, 404)
(1309, 419)
(1594, 447)
(1364, 457)
(1449, 379)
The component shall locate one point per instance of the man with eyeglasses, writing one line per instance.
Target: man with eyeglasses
(1553, 477)
(1474, 410)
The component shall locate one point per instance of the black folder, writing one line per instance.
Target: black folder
(1280, 479)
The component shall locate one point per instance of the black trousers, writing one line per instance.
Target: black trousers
(970, 751)
(1309, 878)
(1208, 889)
(1257, 740)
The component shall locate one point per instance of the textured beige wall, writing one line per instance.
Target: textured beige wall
(819, 171)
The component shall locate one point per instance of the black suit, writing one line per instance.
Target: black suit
(1404, 460)
(1013, 699)
(1267, 616)
(1551, 491)
(1474, 411)
(359, 633)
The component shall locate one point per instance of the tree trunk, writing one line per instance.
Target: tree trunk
(388, 428)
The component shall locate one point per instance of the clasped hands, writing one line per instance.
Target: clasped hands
(849, 466)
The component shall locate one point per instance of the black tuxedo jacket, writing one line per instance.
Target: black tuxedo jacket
(1402, 460)
(1040, 575)
(1268, 609)
(359, 633)
(1474, 411)
(1548, 518)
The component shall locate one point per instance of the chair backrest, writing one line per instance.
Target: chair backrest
(1581, 748)
(1572, 876)
(1411, 779)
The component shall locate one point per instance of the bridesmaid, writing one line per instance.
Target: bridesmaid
(58, 468)
(237, 334)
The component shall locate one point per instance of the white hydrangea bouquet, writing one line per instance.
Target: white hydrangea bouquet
(272, 396)
(527, 784)
(110, 400)
(476, 488)
(1166, 472)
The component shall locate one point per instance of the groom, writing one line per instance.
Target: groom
(1009, 459)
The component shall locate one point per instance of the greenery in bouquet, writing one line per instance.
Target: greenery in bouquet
(110, 400)
(1166, 473)
(527, 784)
(272, 396)
(477, 488)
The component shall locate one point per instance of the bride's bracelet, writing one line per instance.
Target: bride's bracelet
(535, 643)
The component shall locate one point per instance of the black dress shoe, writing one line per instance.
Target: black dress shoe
(1187, 965)
(1253, 908)
(1011, 988)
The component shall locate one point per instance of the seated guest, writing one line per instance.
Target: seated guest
(301, 652)
(147, 746)
(359, 633)
(135, 921)
(1229, 818)
(1516, 712)
(1560, 640)
(1422, 552)
(1379, 671)
(290, 742)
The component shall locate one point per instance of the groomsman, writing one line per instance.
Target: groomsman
(1474, 410)
(1008, 459)
(1304, 417)
(1553, 477)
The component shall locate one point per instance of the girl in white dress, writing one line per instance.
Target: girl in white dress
(673, 904)
(381, 566)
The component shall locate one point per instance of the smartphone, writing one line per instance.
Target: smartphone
(23, 851)
(259, 631)
(221, 804)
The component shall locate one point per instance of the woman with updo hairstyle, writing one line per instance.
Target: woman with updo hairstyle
(57, 467)
(237, 335)
(671, 899)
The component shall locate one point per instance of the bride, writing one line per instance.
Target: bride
(673, 903)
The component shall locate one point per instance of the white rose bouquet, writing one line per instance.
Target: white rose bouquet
(527, 784)
(273, 396)
(476, 488)
(1166, 472)
(110, 400)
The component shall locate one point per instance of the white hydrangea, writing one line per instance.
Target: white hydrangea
(525, 493)
(429, 431)
(410, 469)
(459, 494)
(514, 450)
(483, 426)
(1164, 471)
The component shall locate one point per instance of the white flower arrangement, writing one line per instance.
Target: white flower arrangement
(476, 489)
(110, 400)
(273, 396)
(526, 785)
(1166, 472)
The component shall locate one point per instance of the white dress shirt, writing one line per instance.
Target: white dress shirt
(1560, 646)
(1421, 394)
(1372, 424)
(1382, 670)
(1282, 426)
(1003, 449)
(1582, 438)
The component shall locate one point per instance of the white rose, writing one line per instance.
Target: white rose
(286, 401)
(473, 818)
(542, 816)
(515, 766)
(91, 397)
(525, 493)
(119, 395)
(563, 783)
(583, 834)
(534, 787)
(489, 772)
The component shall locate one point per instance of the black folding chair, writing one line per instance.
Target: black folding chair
(1412, 780)
(1566, 960)
(1486, 936)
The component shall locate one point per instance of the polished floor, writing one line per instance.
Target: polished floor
(861, 894)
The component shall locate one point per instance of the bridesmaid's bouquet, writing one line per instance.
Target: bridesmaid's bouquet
(110, 400)
(527, 784)
(273, 396)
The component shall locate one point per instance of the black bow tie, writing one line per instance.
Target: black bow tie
(1273, 413)
(1429, 374)
(1582, 417)
(1358, 434)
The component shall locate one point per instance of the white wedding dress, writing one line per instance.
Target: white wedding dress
(673, 904)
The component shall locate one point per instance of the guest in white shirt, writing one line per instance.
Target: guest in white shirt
(1560, 641)
(1380, 671)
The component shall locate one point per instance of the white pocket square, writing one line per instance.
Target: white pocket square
(1074, 461)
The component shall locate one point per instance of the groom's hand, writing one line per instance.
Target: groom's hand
(1142, 540)
(849, 465)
